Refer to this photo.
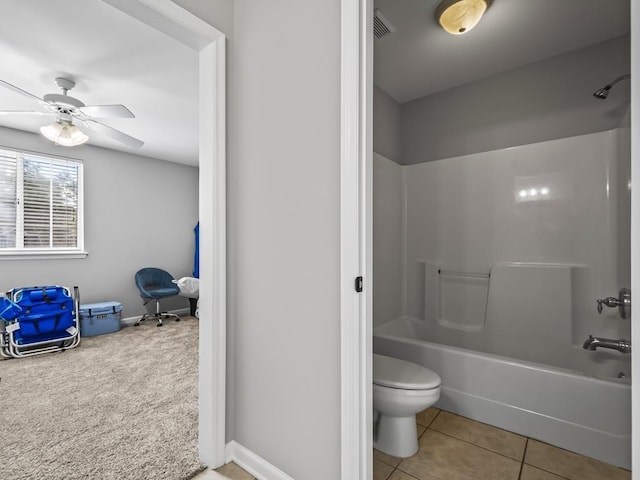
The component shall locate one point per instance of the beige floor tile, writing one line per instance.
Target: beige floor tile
(383, 457)
(399, 475)
(486, 436)
(381, 470)
(533, 473)
(571, 465)
(234, 472)
(420, 429)
(425, 417)
(210, 475)
(448, 458)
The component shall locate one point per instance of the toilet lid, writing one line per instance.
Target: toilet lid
(396, 373)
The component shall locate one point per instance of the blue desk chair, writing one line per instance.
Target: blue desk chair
(155, 284)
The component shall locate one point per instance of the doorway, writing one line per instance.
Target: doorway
(176, 22)
(366, 165)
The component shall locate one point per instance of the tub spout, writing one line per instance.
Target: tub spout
(593, 343)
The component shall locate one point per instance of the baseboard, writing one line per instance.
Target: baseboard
(129, 321)
(252, 463)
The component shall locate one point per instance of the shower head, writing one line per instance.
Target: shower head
(603, 93)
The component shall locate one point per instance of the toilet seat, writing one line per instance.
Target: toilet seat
(395, 373)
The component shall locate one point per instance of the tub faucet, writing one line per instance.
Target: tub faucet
(592, 343)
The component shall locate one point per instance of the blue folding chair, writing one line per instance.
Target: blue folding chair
(39, 320)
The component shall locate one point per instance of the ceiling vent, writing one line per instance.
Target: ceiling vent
(381, 26)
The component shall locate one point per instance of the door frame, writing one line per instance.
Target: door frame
(183, 26)
(635, 232)
(356, 152)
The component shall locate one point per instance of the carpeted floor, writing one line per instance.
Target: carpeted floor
(120, 406)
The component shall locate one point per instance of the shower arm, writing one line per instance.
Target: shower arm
(616, 80)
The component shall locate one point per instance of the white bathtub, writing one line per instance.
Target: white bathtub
(584, 414)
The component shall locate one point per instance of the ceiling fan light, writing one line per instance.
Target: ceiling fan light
(64, 133)
(460, 16)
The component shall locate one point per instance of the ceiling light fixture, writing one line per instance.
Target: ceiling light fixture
(460, 16)
(63, 132)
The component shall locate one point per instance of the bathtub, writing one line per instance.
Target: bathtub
(585, 414)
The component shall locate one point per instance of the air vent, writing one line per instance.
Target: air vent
(381, 26)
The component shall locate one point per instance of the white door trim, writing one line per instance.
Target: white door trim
(356, 236)
(169, 18)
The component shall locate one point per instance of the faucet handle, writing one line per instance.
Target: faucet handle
(609, 302)
(623, 302)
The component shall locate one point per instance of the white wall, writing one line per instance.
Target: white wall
(624, 203)
(139, 212)
(388, 235)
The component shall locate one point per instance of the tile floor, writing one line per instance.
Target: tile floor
(230, 471)
(457, 448)
(210, 475)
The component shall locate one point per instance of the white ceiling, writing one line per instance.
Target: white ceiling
(420, 58)
(113, 59)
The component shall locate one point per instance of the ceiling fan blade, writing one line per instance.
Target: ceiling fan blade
(112, 132)
(20, 91)
(24, 112)
(107, 111)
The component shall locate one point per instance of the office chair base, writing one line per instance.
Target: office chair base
(158, 317)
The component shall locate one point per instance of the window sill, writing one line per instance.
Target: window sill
(41, 255)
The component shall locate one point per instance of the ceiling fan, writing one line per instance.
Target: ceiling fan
(68, 109)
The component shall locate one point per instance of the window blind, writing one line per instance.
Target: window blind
(39, 202)
(8, 199)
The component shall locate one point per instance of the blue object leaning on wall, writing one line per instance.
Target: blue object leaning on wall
(196, 261)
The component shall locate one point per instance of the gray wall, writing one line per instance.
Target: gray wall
(218, 13)
(386, 126)
(283, 160)
(285, 201)
(542, 101)
(139, 212)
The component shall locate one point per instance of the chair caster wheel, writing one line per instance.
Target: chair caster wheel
(177, 319)
(136, 324)
(158, 325)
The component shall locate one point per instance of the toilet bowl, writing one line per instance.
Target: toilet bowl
(400, 390)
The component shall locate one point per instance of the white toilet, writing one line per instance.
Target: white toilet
(400, 390)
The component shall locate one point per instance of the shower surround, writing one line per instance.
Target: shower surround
(505, 253)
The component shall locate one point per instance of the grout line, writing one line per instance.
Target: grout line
(390, 464)
(391, 473)
(432, 420)
(543, 469)
(524, 453)
(409, 475)
(475, 445)
(547, 471)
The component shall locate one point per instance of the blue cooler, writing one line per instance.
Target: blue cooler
(100, 318)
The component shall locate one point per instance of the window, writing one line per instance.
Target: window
(40, 205)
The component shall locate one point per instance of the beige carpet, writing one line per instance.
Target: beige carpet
(119, 406)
